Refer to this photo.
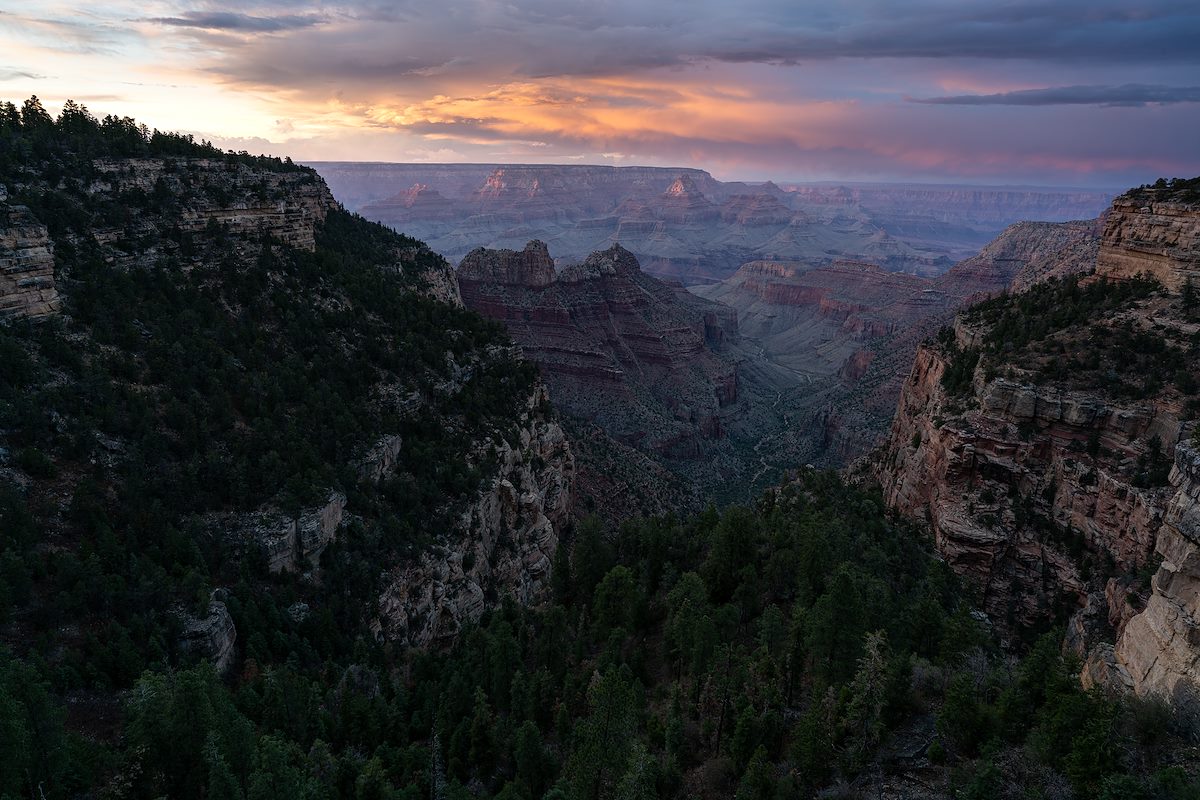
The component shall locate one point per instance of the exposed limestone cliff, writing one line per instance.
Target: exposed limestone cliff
(1148, 235)
(283, 205)
(1160, 647)
(503, 544)
(26, 264)
(1042, 465)
(1006, 480)
(293, 544)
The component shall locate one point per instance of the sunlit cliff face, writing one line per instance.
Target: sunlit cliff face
(1093, 92)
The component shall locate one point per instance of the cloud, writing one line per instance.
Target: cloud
(770, 88)
(9, 74)
(1129, 94)
(238, 23)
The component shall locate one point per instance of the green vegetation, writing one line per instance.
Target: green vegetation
(768, 652)
(1180, 190)
(763, 653)
(1073, 332)
(31, 140)
(205, 371)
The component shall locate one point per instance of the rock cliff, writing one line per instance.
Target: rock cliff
(502, 544)
(1037, 437)
(26, 264)
(647, 362)
(1150, 233)
(397, 407)
(851, 329)
(1018, 481)
(213, 636)
(1159, 649)
(657, 369)
(284, 205)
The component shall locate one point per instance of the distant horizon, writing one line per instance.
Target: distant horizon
(781, 182)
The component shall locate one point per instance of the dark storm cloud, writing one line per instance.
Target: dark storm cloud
(238, 23)
(541, 38)
(1130, 94)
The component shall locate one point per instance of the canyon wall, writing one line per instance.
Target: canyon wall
(1149, 235)
(643, 360)
(283, 205)
(503, 544)
(850, 329)
(205, 216)
(27, 286)
(1010, 475)
(1043, 472)
(1159, 649)
(683, 223)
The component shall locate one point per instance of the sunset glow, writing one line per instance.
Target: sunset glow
(992, 92)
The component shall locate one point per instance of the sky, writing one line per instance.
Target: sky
(1042, 92)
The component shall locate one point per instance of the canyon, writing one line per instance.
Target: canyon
(1055, 481)
(684, 224)
(224, 218)
(638, 361)
(849, 330)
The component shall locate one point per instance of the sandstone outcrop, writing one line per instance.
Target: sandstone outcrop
(27, 286)
(1006, 482)
(660, 371)
(1149, 235)
(284, 205)
(503, 543)
(1040, 484)
(1160, 647)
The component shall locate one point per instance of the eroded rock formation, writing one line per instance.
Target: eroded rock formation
(503, 543)
(26, 264)
(284, 205)
(685, 224)
(213, 636)
(1008, 476)
(851, 329)
(643, 359)
(1159, 649)
(294, 544)
(1146, 235)
(1039, 483)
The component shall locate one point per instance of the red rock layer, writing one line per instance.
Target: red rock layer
(641, 358)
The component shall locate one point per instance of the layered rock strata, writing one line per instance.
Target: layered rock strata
(284, 205)
(641, 358)
(683, 223)
(1159, 238)
(27, 286)
(1039, 486)
(850, 329)
(1009, 476)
